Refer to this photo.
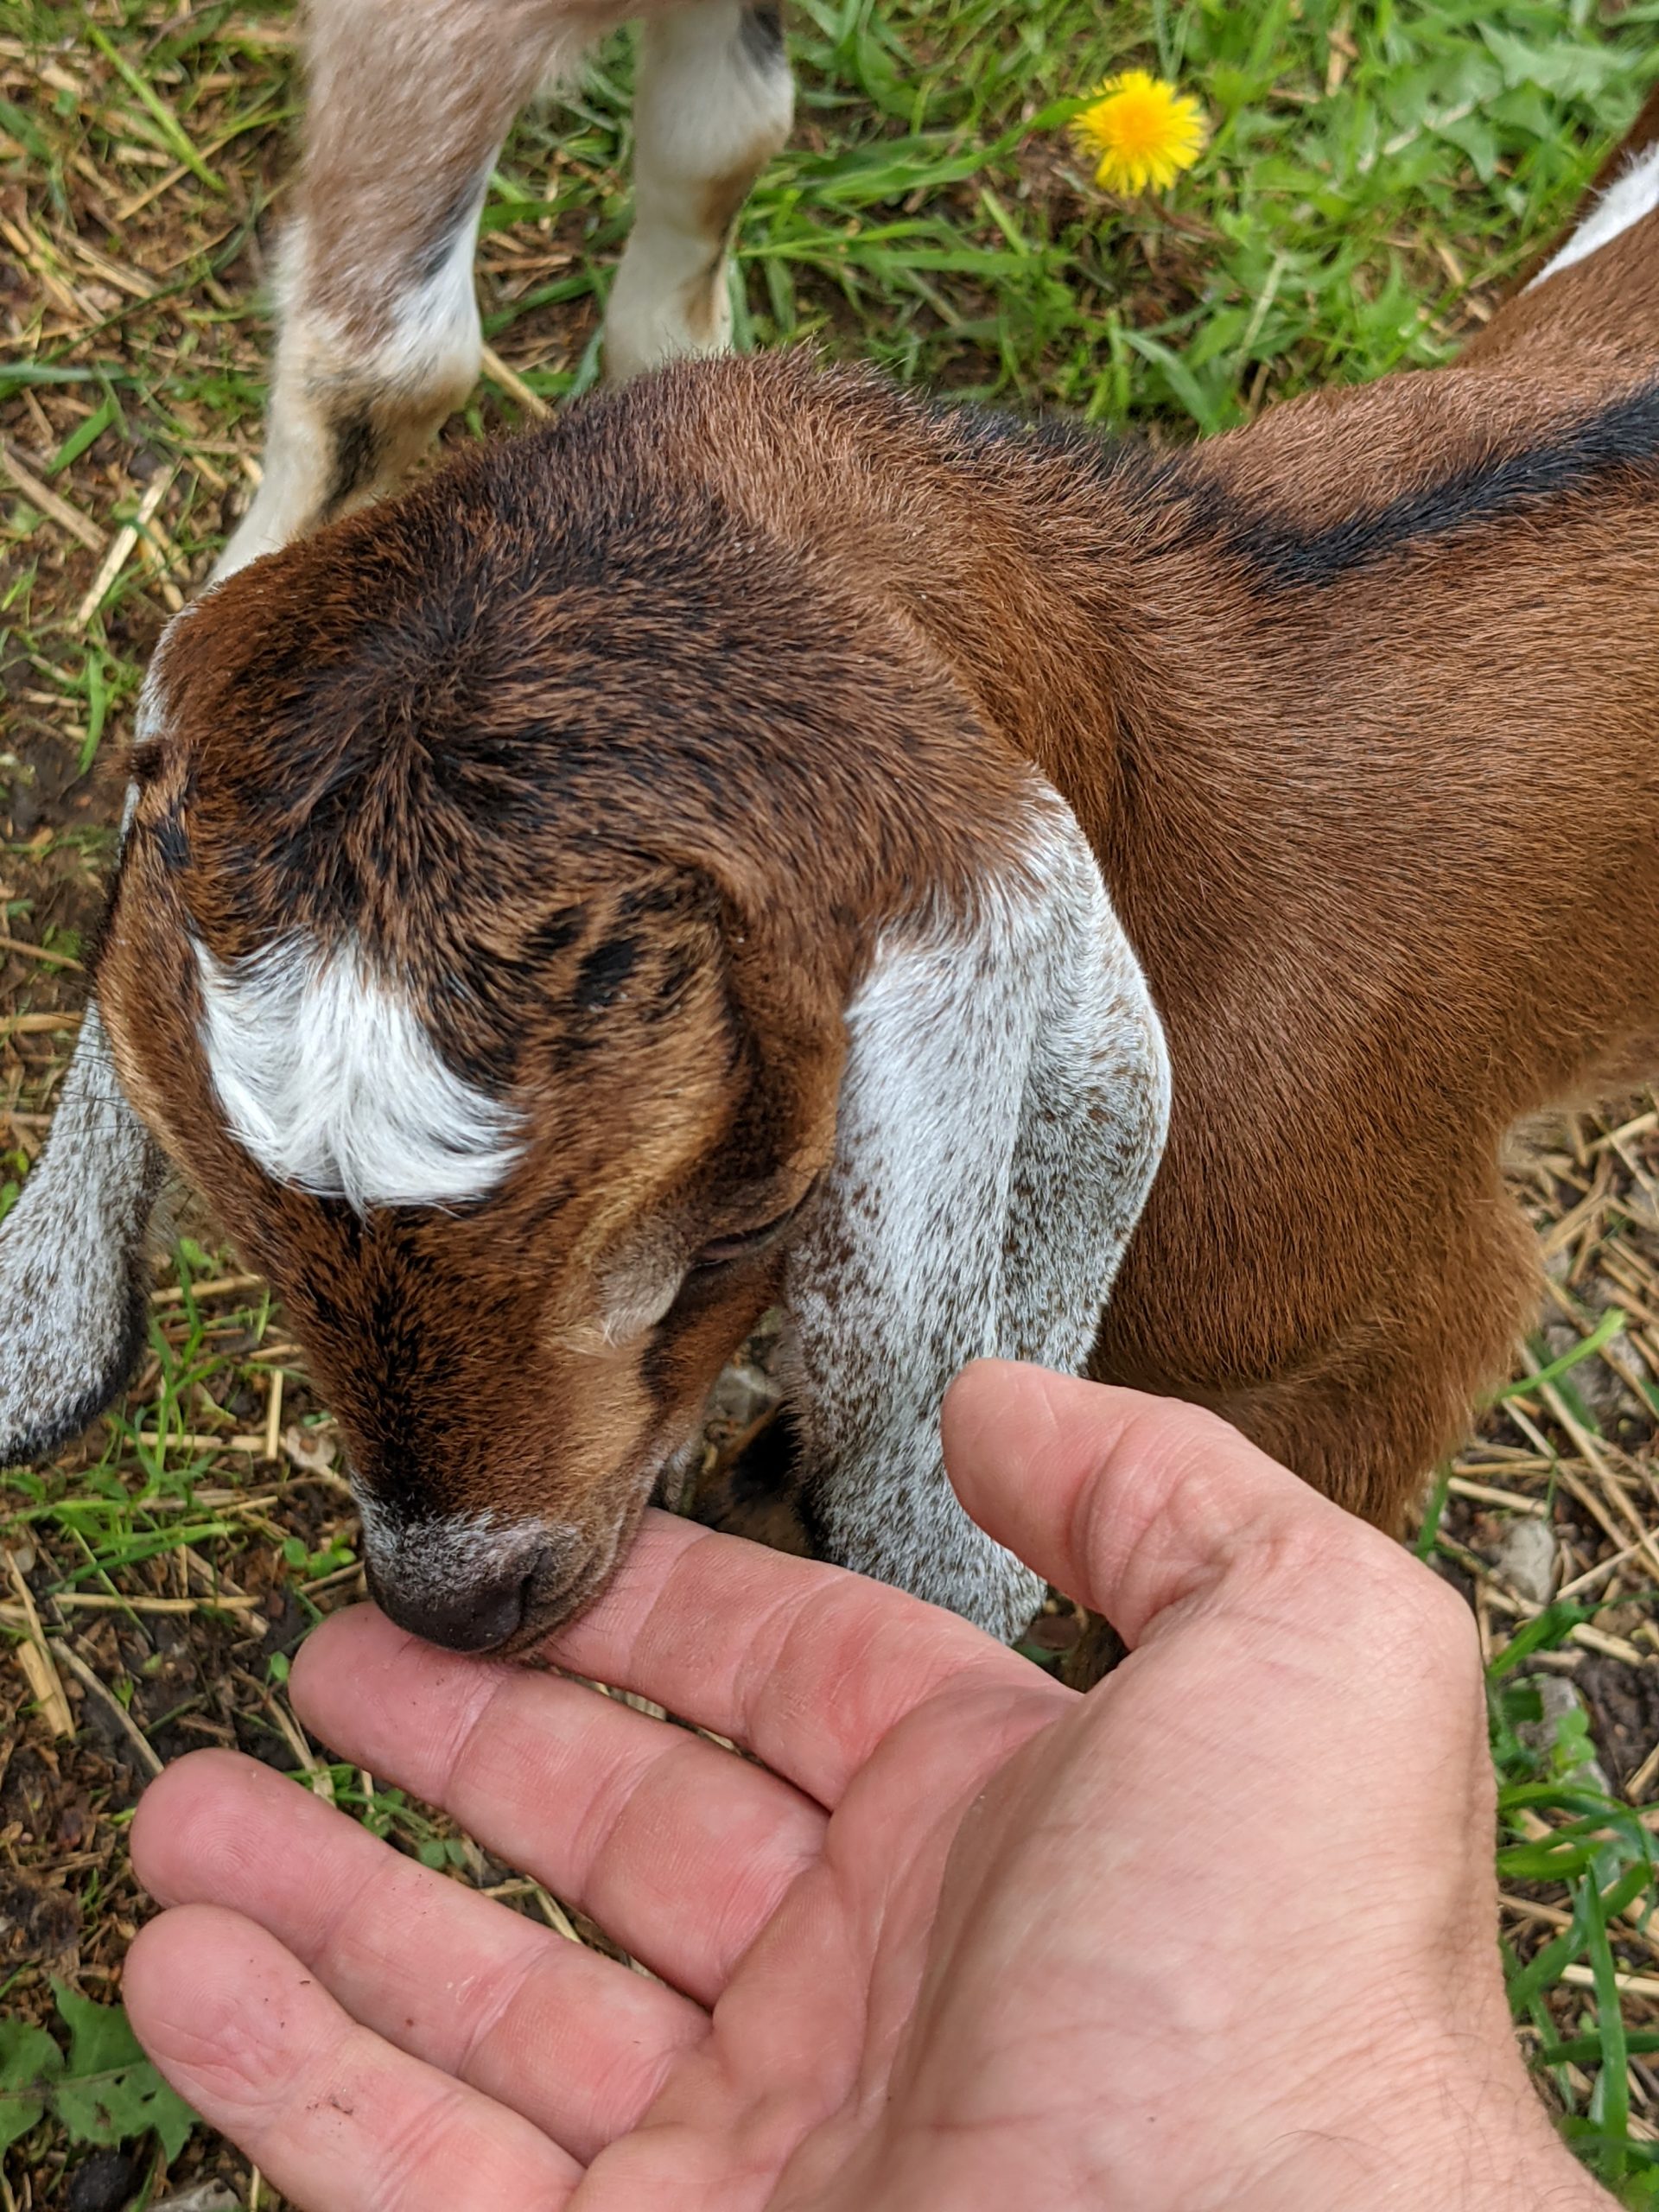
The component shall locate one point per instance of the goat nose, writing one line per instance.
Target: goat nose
(471, 1615)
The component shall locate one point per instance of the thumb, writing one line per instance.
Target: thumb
(1131, 1504)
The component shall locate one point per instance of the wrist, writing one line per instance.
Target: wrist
(1459, 2151)
(1468, 2181)
(1503, 2158)
(1448, 2120)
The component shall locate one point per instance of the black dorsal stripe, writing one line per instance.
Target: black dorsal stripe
(1625, 434)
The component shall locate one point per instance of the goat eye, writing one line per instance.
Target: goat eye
(725, 1251)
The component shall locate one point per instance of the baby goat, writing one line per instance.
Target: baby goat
(763, 840)
(407, 104)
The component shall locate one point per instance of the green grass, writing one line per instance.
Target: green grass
(1602, 1854)
(1376, 175)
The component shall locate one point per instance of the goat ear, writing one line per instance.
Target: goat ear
(73, 1273)
(1002, 1112)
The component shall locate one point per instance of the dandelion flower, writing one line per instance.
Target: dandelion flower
(1143, 130)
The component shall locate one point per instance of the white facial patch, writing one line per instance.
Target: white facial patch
(329, 1081)
(1626, 201)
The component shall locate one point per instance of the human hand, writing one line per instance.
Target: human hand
(1221, 1934)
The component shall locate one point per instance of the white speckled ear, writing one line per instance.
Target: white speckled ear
(1002, 1114)
(73, 1260)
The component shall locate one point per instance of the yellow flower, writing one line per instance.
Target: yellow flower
(1145, 131)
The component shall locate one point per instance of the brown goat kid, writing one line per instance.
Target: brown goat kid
(762, 839)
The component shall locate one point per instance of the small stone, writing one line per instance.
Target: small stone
(1529, 1559)
(102, 2182)
(206, 2197)
(1559, 1697)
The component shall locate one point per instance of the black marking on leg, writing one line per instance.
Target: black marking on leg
(761, 34)
(357, 450)
(458, 216)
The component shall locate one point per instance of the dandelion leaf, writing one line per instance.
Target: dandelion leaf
(108, 2092)
(30, 2063)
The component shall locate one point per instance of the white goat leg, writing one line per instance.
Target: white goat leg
(407, 103)
(712, 102)
(347, 421)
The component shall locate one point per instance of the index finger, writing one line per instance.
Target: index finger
(806, 1665)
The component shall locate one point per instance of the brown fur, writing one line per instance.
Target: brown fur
(729, 665)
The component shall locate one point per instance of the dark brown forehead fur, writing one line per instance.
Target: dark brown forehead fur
(526, 731)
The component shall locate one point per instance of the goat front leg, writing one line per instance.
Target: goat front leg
(712, 102)
(380, 339)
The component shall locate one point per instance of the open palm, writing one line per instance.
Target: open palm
(962, 1934)
(798, 1936)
